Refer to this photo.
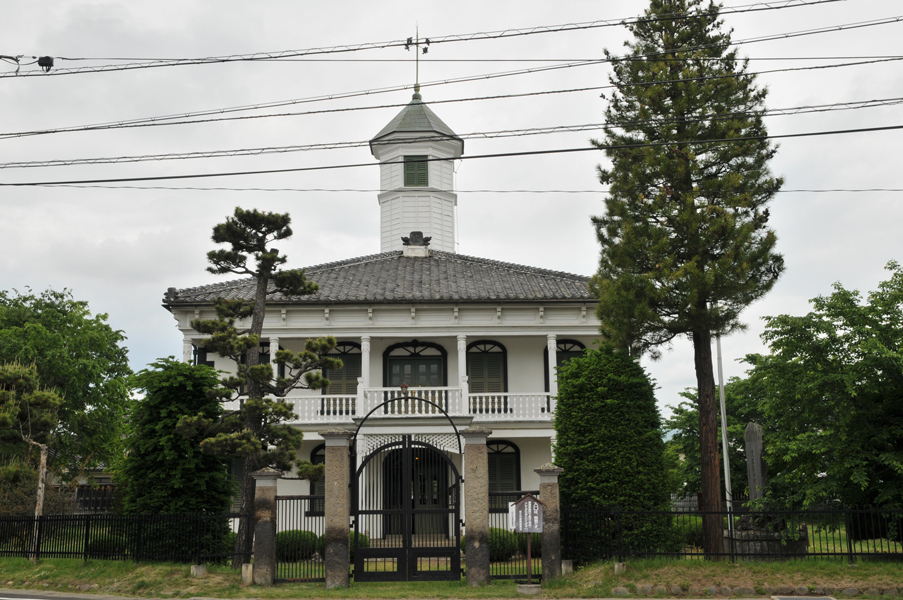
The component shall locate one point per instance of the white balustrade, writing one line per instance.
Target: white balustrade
(424, 402)
(415, 402)
(325, 409)
(511, 407)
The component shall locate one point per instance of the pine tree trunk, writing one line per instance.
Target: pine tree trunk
(712, 524)
(244, 541)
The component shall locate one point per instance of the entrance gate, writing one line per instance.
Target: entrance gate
(406, 501)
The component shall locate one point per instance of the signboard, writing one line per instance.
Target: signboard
(525, 515)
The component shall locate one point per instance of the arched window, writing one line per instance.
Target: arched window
(418, 364)
(565, 350)
(504, 472)
(317, 488)
(344, 380)
(487, 367)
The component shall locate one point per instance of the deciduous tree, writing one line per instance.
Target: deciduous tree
(82, 358)
(832, 386)
(685, 242)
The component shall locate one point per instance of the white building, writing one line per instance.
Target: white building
(479, 338)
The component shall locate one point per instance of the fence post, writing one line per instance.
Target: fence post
(551, 521)
(265, 525)
(87, 534)
(476, 504)
(337, 507)
(849, 521)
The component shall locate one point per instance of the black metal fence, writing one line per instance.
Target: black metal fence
(182, 538)
(300, 525)
(508, 550)
(861, 533)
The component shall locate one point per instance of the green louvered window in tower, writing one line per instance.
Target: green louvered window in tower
(416, 171)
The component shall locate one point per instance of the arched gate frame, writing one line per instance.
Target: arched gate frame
(406, 500)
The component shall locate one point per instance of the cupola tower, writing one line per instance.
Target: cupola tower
(417, 189)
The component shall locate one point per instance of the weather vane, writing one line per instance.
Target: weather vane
(415, 41)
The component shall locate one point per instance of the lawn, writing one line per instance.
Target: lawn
(123, 578)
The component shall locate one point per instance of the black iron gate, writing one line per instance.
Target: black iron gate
(407, 518)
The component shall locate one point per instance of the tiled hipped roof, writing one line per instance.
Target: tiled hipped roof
(392, 277)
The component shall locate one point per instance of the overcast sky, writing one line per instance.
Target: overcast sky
(120, 249)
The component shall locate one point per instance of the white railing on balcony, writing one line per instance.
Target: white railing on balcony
(415, 402)
(325, 409)
(343, 408)
(511, 407)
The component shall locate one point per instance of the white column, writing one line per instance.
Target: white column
(365, 359)
(274, 348)
(462, 375)
(553, 361)
(187, 351)
(364, 379)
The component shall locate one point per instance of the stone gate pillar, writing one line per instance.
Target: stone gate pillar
(265, 525)
(338, 507)
(551, 521)
(476, 504)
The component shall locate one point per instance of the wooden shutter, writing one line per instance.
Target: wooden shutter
(502, 472)
(486, 372)
(416, 172)
(344, 380)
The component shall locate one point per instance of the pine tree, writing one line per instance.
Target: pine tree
(685, 242)
(257, 431)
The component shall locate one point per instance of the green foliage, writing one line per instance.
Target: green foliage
(608, 438)
(257, 432)
(685, 223)
(832, 387)
(535, 544)
(164, 471)
(295, 544)
(744, 405)
(503, 544)
(82, 358)
(19, 485)
(685, 238)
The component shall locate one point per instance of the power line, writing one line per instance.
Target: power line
(796, 110)
(676, 143)
(505, 33)
(166, 120)
(377, 191)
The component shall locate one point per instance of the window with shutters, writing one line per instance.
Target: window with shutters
(344, 380)
(565, 350)
(487, 367)
(504, 472)
(317, 488)
(416, 171)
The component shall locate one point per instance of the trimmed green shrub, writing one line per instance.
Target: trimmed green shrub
(503, 544)
(609, 444)
(295, 544)
(535, 544)
(363, 542)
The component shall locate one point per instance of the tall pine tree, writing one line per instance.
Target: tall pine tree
(257, 431)
(685, 242)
